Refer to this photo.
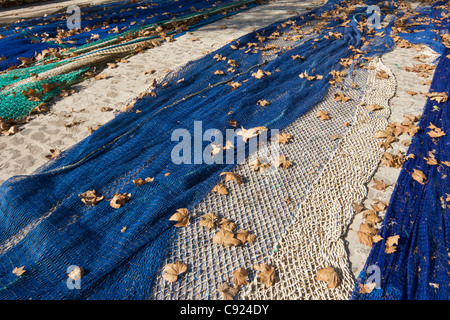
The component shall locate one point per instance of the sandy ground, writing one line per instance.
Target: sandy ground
(70, 118)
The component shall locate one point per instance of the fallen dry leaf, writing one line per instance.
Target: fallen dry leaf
(263, 103)
(339, 96)
(76, 273)
(226, 238)
(228, 292)
(391, 244)
(259, 166)
(227, 225)
(240, 277)
(140, 182)
(323, 115)
(282, 162)
(90, 197)
(419, 176)
(266, 274)
(229, 176)
(209, 220)
(181, 216)
(173, 270)
(283, 137)
(328, 275)
(379, 185)
(19, 271)
(119, 200)
(367, 287)
(374, 107)
(221, 189)
(245, 237)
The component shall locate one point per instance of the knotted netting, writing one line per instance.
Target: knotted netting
(42, 56)
(46, 228)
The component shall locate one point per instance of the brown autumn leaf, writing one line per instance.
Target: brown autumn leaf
(263, 103)
(229, 176)
(365, 233)
(173, 270)
(334, 137)
(382, 75)
(181, 216)
(367, 287)
(374, 107)
(339, 96)
(412, 93)
(209, 220)
(391, 244)
(54, 153)
(323, 115)
(19, 271)
(371, 217)
(439, 97)
(266, 274)
(250, 133)
(305, 75)
(90, 197)
(259, 166)
(283, 137)
(419, 176)
(357, 207)
(245, 237)
(328, 275)
(140, 182)
(119, 200)
(220, 188)
(377, 238)
(76, 273)
(227, 225)
(228, 292)
(240, 277)
(226, 238)
(232, 123)
(258, 74)
(379, 185)
(232, 63)
(435, 132)
(282, 162)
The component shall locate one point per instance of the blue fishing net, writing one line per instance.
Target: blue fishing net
(46, 228)
(418, 212)
(98, 23)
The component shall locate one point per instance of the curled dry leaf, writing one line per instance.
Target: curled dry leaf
(435, 132)
(245, 237)
(139, 181)
(282, 162)
(266, 274)
(76, 273)
(90, 197)
(374, 107)
(209, 220)
(228, 292)
(367, 287)
(419, 176)
(250, 133)
(339, 96)
(220, 188)
(328, 275)
(240, 277)
(226, 238)
(366, 233)
(283, 137)
(173, 270)
(229, 176)
(263, 103)
(323, 115)
(439, 97)
(391, 244)
(181, 216)
(19, 271)
(119, 200)
(379, 185)
(259, 166)
(227, 225)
